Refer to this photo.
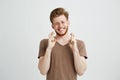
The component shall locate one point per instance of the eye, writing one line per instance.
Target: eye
(56, 24)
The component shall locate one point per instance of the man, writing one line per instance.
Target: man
(61, 56)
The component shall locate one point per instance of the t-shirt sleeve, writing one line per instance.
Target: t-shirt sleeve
(82, 49)
(42, 48)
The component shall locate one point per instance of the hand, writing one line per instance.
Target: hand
(51, 40)
(73, 42)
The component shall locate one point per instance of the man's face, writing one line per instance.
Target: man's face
(60, 25)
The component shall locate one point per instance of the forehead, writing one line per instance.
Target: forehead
(59, 18)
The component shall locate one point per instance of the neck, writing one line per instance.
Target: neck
(66, 37)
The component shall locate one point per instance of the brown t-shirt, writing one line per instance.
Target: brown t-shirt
(62, 62)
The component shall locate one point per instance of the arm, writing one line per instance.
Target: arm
(44, 61)
(79, 61)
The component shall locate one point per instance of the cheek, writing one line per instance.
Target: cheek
(55, 27)
(66, 24)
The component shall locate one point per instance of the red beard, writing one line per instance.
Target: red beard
(62, 34)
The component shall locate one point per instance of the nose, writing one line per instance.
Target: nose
(61, 25)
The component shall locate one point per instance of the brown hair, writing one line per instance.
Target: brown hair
(57, 12)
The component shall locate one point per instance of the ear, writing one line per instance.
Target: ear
(52, 26)
(68, 23)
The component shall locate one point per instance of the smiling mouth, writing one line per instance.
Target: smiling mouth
(61, 29)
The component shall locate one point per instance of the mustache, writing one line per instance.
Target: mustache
(62, 28)
(62, 34)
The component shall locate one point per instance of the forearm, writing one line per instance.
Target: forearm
(79, 62)
(44, 62)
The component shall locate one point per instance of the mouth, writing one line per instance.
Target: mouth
(61, 29)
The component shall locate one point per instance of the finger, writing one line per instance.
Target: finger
(53, 40)
(71, 40)
(52, 33)
(72, 36)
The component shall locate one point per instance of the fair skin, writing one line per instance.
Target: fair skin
(60, 25)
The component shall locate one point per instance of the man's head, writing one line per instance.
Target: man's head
(59, 19)
(58, 12)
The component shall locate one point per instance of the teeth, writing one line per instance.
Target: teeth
(61, 29)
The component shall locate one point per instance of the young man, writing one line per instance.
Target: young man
(61, 56)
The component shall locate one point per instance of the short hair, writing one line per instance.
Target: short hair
(58, 12)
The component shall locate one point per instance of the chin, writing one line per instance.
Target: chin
(61, 34)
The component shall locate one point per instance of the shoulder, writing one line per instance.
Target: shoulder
(44, 41)
(80, 41)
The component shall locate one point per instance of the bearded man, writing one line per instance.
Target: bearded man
(61, 56)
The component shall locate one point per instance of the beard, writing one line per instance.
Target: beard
(63, 33)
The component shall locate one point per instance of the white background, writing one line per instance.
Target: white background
(23, 23)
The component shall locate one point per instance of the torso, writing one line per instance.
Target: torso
(62, 63)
